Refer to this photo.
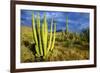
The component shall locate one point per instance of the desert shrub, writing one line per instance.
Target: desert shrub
(68, 43)
(26, 43)
(71, 36)
(85, 35)
(26, 55)
(78, 42)
(59, 39)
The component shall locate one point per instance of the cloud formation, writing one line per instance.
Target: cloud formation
(76, 20)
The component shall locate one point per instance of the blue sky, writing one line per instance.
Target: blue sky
(76, 20)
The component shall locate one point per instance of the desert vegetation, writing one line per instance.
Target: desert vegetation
(38, 44)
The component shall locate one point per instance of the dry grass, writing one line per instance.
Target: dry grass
(67, 47)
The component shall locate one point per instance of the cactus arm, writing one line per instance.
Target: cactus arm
(39, 34)
(42, 32)
(54, 35)
(45, 35)
(50, 40)
(43, 40)
(35, 34)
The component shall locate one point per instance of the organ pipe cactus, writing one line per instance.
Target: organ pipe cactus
(43, 43)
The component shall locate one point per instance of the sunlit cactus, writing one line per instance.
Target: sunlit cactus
(35, 35)
(50, 39)
(54, 35)
(40, 36)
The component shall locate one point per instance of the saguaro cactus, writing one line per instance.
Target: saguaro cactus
(40, 36)
(67, 24)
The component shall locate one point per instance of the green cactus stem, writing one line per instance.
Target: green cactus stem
(45, 35)
(35, 35)
(39, 34)
(50, 40)
(54, 35)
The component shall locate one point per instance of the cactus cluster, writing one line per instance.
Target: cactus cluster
(43, 43)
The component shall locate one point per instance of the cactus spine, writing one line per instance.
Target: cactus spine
(67, 24)
(40, 36)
